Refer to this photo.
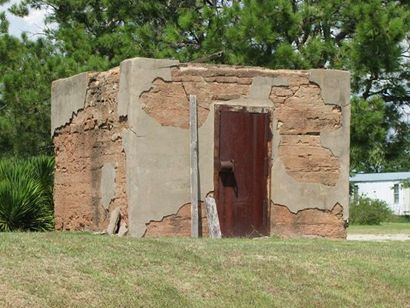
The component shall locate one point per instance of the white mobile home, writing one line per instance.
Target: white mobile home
(390, 187)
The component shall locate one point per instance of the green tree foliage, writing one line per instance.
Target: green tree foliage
(366, 211)
(26, 202)
(370, 38)
(27, 70)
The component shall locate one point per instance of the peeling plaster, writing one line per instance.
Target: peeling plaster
(298, 195)
(157, 157)
(310, 208)
(107, 185)
(157, 161)
(67, 98)
(335, 90)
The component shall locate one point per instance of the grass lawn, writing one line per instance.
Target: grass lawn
(84, 270)
(384, 228)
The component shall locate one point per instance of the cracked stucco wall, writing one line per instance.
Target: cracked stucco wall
(157, 153)
(67, 98)
(90, 164)
(152, 100)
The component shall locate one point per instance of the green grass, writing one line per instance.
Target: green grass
(78, 270)
(383, 228)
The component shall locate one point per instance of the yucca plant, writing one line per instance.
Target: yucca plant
(26, 194)
(43, 170)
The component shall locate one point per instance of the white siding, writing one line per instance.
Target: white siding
(384, 191)
(406, 201)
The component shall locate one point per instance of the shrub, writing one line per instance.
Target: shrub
(400, 219)
(366, 211)
(26, 194)
(42, 168)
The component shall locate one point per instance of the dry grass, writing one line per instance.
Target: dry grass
(74, 269)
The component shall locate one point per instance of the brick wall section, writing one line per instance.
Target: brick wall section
(302, 115)
(299, 109)
(309, 222)
(167, 101)
(178, 224)
(92, 138)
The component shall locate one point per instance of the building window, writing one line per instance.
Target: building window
(396, 193)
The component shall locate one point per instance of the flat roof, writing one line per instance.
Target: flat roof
(380, 177)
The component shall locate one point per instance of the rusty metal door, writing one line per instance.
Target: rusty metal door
(241, 171)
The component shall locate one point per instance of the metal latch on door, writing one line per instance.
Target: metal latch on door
(227, 166)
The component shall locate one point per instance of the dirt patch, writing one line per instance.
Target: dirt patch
(378, 237)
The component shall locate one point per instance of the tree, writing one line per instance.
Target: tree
(370, 38)
(27, 69)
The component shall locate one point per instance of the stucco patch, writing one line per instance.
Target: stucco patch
(157, 157)
(107, 187)
(67, 98)
(335, 87)
(136, 76)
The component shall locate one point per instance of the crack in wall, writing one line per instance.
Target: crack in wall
(160, 150)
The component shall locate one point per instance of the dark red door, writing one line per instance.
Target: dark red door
(241, 171)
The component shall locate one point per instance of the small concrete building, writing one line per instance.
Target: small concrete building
(390, 187)
(122, 140)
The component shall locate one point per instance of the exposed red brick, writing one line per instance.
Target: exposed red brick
(167, 101)
(304, 111)
(178, 224)
(308, 222)
(92, 138)
(307, 161)
(302, 115)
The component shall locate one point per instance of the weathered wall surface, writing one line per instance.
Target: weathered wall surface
(310, 146)
(90, 162)
(308, 172)
(308, 222)
(178, 224)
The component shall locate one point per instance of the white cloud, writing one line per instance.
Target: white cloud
(35, 18)
(33, 24)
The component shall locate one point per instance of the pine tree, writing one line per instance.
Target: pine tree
(369, 37)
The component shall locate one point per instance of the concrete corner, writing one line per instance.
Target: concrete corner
(136, 75)
(334, 85)
(67, 97)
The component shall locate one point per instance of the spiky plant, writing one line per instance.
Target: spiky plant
(25, 195)
(43, 170)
